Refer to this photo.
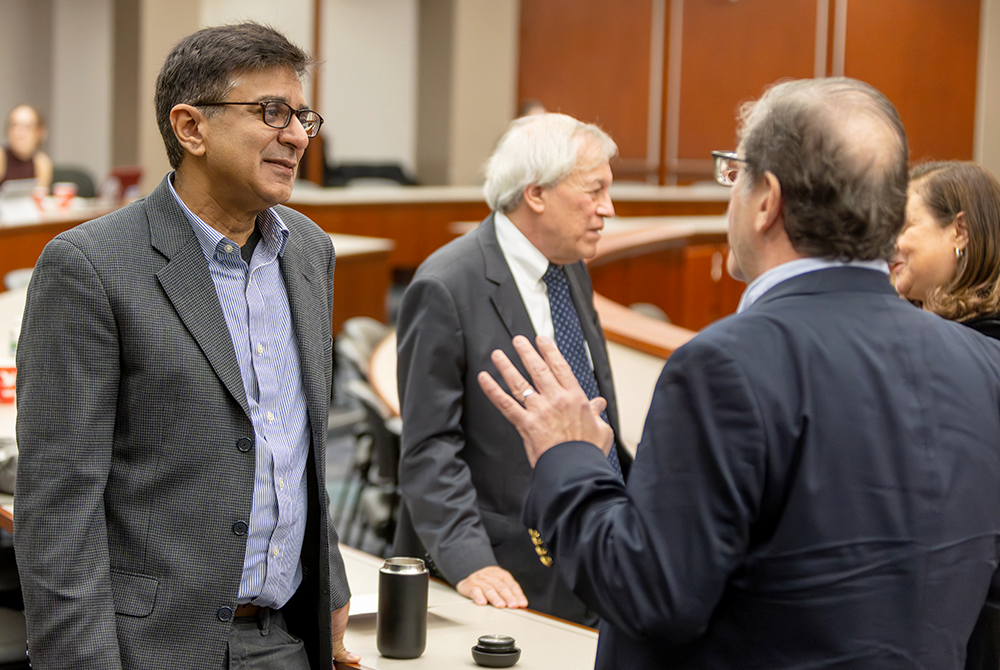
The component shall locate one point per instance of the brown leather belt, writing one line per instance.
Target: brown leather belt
(247, 609)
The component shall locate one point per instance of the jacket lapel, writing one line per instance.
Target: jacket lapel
(188, 285)
(301, 284)
(505, 297)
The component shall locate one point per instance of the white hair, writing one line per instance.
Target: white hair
(542, 149)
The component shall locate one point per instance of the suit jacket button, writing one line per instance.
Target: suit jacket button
(240, 528)
(224, 613)
(244, 444)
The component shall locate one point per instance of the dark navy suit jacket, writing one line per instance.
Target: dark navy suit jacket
(818, 485)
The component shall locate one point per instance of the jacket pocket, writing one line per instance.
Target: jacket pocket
(134, 595)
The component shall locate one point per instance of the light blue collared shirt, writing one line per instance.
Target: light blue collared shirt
(255, 304)
(801, 266)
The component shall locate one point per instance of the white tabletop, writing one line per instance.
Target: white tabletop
(307, 194)
(454, 624)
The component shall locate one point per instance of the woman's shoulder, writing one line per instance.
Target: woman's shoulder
(987, 324)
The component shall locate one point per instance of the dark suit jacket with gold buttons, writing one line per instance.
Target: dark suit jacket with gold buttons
(463, 472)
(137, 451)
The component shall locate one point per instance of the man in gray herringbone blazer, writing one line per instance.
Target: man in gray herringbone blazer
(175, 371)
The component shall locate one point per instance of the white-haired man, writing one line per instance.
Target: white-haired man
(463, 472)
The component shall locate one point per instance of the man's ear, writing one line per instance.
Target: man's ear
(770, 208)
(533, 198)
(188, 124)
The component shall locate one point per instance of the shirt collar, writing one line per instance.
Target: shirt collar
(273, 231)
(518, 249)
(765, 282)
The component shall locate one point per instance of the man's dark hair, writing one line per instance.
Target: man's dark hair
(838, 148)
(203, 67)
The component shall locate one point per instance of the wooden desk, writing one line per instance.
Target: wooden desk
(417, 218)
(22, 243)
(362, 263)
(361, 279)
(454, 624)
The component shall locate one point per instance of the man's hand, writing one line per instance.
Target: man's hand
(339, 624)
(555, 410)
(493, 585)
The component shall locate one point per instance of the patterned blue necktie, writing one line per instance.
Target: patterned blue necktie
(569, 339)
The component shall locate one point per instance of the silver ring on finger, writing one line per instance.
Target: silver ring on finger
(526, 392)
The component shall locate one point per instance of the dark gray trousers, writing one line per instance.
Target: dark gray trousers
(262, 642)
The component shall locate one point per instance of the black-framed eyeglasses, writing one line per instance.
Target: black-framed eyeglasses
(278, 114)
(727, 166)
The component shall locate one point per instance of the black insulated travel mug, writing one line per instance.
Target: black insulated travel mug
(402, 608)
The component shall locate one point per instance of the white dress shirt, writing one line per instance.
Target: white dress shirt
(527, 264)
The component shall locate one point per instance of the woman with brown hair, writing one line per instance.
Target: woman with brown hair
(948, 262)
(948, 253)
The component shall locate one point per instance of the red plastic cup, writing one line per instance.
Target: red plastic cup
(8, 381)
(64, 192)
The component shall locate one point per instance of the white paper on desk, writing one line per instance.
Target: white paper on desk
(366, 603)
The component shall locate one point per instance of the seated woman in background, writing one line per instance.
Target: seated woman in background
(948, 254)
(21, 158)
(948, 262)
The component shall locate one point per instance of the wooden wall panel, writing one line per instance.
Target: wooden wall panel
(923, 55)
(590, 59)
(684, 277)
(730, 52)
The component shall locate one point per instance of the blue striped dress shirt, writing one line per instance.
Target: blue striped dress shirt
(255, 304)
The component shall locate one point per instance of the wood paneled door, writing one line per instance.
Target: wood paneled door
(666, 78)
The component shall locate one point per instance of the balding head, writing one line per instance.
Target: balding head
(838, 148)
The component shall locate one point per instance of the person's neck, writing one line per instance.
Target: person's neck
(22, 157)
(235, 224)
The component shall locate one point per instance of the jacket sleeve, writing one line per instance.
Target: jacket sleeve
(68, 372)
(436, 483)
(654, 558)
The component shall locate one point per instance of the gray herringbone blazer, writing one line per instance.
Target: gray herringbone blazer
(136, 446)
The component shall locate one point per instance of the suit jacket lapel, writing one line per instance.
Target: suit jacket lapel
(301, 281)
(188, 285)
(505, 297)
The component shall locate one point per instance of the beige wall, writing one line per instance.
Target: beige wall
(161, 24)
(369, 89)
(25, 54)
(467, 85)
(484, 87)
(81, 125)
(987, 142)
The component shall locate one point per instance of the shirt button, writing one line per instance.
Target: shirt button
(260, 348)
(228, 248)
(275, 551)
(270, 417)
(224, 613)
(240, 528)
(281, 482)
